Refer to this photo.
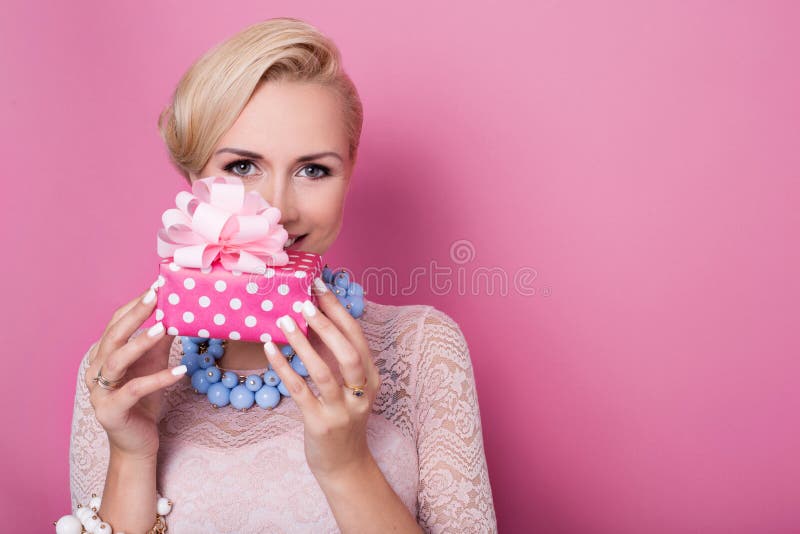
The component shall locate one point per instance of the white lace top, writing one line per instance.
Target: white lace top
(245, 472)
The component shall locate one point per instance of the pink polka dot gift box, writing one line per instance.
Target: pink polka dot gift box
(224, 271)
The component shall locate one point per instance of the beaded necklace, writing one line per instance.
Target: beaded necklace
(223, 387)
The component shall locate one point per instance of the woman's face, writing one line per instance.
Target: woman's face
(290, 144)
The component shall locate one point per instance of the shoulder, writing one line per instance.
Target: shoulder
(424, 330)
(441, 340)
(386, 325)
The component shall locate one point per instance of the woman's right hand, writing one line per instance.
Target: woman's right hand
(130, 413)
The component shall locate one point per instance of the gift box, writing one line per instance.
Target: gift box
(224, 272)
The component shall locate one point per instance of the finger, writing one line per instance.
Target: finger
(338, 315)
(297, 387)
(120, 331)
(119, 312)
(350, 362)
(103, 347)
(137, 388)
(125, 308)
(321, 374)
(117, 363)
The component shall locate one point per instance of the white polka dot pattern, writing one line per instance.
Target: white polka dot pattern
(214, 302)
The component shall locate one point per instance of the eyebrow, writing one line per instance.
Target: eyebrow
(256, 156)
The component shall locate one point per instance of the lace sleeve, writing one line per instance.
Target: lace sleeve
(454, 491)
(88, 445)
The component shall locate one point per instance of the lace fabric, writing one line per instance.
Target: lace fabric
(232, 471)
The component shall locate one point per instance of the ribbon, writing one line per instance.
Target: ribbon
(218, 220)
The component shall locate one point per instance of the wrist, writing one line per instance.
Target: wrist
(349, 475)
(132, 458)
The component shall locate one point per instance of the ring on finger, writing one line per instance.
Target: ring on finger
(104, 382)
(358, 391)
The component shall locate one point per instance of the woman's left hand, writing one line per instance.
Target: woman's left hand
(336, 421)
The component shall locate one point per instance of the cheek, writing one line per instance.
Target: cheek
(323, 215)
(324, 209)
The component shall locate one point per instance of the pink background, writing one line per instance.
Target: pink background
(642, 157)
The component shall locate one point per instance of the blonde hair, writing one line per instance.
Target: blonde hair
(212, 93)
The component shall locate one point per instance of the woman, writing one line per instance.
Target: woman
(273, 106)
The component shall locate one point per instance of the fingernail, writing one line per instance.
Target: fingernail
(319, 285)
(178, 370)
(150, 296)
(154, 285)
(309, 309)
(287, 323)
(270, 348)
(155, 329)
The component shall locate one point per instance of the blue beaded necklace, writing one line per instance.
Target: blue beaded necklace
(223, 387)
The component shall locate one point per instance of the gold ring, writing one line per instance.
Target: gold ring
(104, 382)
(358, 391)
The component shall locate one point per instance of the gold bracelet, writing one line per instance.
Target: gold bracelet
(160, 527)
(71, 522)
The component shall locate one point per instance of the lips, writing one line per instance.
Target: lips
(293, 242)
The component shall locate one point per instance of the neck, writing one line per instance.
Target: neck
(244, 355)
(247, 355)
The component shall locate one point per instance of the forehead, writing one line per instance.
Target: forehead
(286, 119)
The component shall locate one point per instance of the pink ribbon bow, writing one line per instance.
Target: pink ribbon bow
(218, 219)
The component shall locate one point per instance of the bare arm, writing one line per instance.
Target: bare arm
(129, 496)
(363, 501)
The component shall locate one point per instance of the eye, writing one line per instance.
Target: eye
(325, 171)
(240, 165)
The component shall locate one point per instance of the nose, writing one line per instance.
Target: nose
(278, 195)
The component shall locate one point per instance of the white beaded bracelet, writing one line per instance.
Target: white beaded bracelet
(87, 521)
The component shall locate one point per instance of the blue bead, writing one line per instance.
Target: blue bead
(242, 398)
(215, 341)
(200, 381)
(197, 340)
(268, 396)
(283, 390)
(189, 346)
(355, 290)
(230, 379)
(271, 378)
(253, 382)
(213, 374)
(216, 351)
(192, 362)
(298, 366)
(287, 350)
(218, 394)
(356, 307)
(206, 360)
(327, 274)
(342, 279)
(340, 292)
